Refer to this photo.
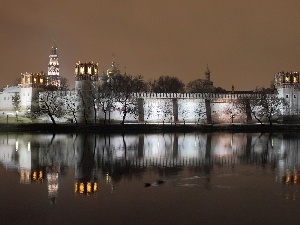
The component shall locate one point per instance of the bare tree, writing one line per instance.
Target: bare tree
(125, 102)
(64, 84)
(106, 99)
(230, 111)
(167, 84)
(244, 107)
(16, 101)
(261, 106)
(70, 106)
(202, 86)
(51, 103)
(199, 86)
(87, 98)
(165, 109)
(271, 105)
(200, 111)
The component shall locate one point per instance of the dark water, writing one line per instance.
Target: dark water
(218, 178)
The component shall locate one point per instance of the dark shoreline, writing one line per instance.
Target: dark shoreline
(146, 128)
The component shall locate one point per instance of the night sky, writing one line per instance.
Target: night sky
(243, 42)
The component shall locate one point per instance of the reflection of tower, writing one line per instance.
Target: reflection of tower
(30, 172)
(52, 179)
(85, 167)
(24, 163)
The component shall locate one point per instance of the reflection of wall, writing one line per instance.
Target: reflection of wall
(89, 152)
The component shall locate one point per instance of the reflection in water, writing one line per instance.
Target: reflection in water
(109, 158)
(52, 180)
(85, 165)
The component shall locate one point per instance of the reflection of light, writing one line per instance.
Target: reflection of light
(34, 175)
(76, 187)
(85, 188)
(81, 188)
(24, 176)
(288, 177)
(89, 187)
(295, 176)
(28, 146)
(41, 175)
(272, 142)
(17, 145)
(108, 178)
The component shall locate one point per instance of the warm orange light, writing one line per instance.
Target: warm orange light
(81, 188)
(89, 187)
(288, 177)
(76, 187)
(34, 175)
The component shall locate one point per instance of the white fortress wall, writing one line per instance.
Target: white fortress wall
(191, 110)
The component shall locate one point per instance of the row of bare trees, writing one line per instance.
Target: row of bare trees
(260, 106)
(116, 94)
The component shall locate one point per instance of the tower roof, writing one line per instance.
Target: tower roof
(207, 70)
(112, 70)
(54, 48)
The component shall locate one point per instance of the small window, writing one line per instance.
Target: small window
(4, 98)
(295, 96)
(286, 96)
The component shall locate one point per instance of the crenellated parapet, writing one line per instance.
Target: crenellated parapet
(35, 80)
(286, 79)
(211, 96)
(86, 71)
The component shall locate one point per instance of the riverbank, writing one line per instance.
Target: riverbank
(144, 128)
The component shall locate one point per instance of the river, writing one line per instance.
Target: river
(171, 178)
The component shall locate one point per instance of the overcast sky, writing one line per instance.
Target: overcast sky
(243, 42)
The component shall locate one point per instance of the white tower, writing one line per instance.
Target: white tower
(287, 85)
(53, 77)
(31, 84)
(86, 88)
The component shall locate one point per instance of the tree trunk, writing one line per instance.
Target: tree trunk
(270, 120)
(95, 114)
(105, 116)
(257, 118)
(74, 116)
(51, 117)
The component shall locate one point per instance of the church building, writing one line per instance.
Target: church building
(207, 107)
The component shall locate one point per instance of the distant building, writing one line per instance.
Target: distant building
(6, 98)
(206, 107)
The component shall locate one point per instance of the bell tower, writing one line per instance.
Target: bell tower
(207, 74)
(53, 77)
(53, 66)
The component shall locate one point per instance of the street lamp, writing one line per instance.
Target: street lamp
(232, 116)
